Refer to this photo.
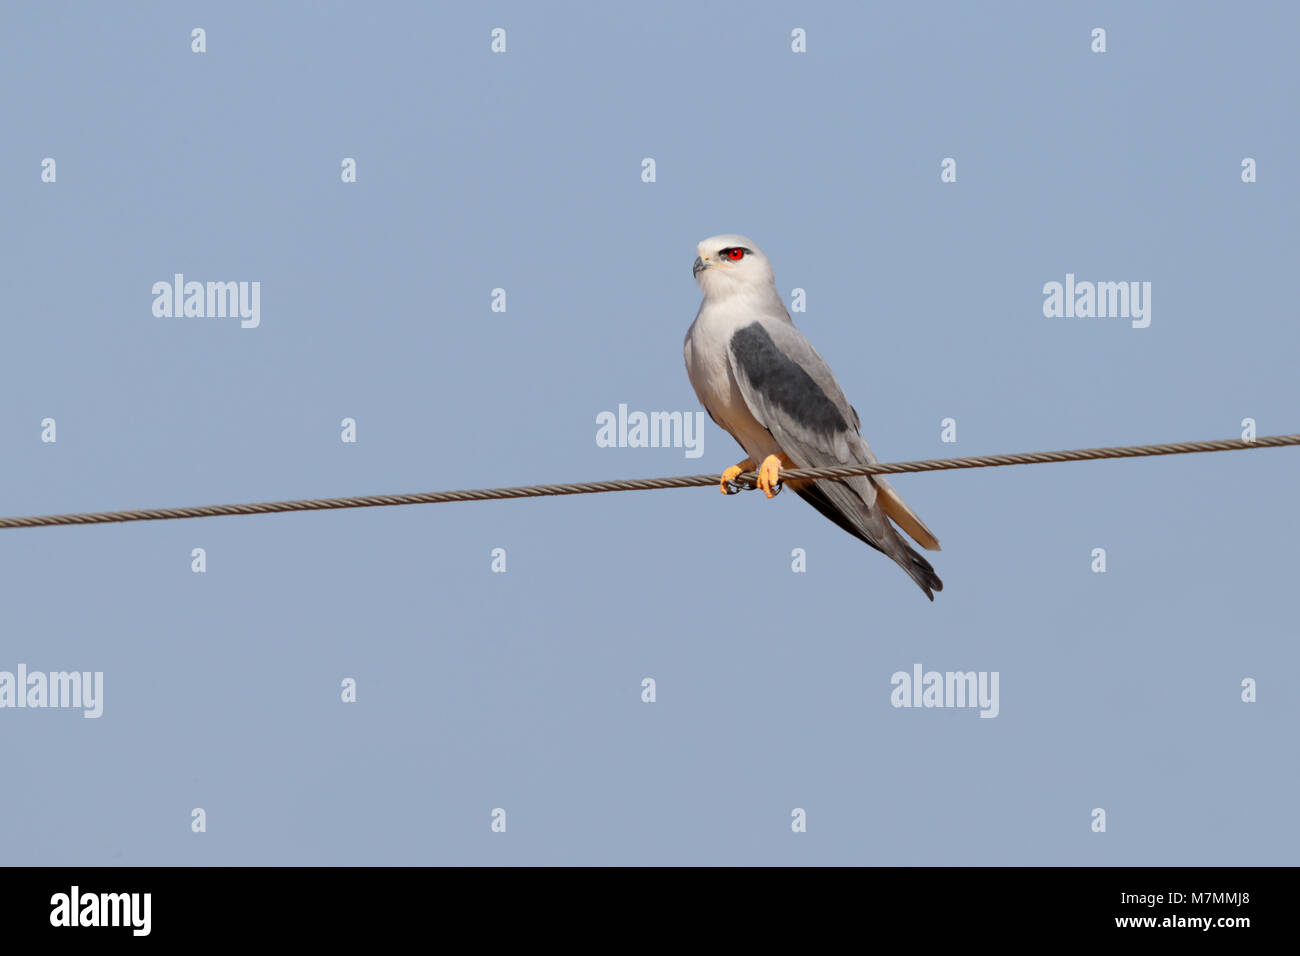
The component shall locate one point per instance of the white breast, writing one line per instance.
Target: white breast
(709, 370)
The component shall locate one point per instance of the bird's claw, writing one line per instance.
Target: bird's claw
(728, 481)
(769, 475)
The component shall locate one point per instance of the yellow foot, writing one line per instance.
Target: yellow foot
(769, 474)
(730, 474)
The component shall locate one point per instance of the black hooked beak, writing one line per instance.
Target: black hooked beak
(698, 267)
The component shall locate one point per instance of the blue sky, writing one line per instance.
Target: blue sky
(522, 171)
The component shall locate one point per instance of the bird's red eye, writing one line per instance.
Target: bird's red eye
(735, 255)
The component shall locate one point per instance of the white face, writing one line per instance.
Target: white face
(730, 263)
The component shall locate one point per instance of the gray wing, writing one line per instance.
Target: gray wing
(790, 389)
(792, 393)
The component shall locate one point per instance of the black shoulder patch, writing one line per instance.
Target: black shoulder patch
(783, 383)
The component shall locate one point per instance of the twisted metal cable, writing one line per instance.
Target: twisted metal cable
(746, 480)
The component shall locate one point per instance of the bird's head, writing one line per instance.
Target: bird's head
(729, 264)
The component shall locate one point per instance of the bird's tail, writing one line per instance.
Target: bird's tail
(917, 568)
(902, 515)
(846, 505)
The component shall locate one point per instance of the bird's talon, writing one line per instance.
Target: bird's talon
(769, 476)
(728, 483)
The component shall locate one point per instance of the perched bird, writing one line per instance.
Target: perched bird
(761, 380)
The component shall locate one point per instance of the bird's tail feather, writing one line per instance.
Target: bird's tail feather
(917, 568)
(903, 516)
(837, 500)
